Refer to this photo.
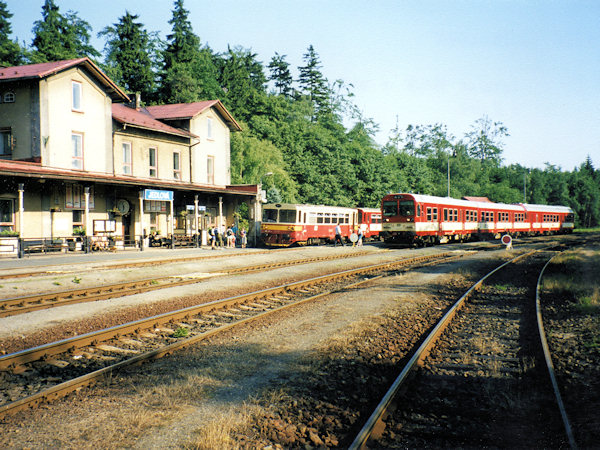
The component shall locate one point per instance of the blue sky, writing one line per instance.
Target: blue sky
(532, 65)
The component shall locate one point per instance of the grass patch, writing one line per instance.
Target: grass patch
(573, 275)
(181, 332)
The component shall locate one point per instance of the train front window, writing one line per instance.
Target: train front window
(269, 215)
(390, 208)
(287, 215)
(407, 208)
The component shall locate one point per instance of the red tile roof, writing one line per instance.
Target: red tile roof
(180, 110)
(190, 110)
(142, 119)
(477, 199)
(43, 70)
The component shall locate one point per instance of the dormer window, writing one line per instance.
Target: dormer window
(77, 89)
(9, 97)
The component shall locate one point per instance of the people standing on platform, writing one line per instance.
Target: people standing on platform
(220, 233)
(212, 237)
(244, 238)
(359, 242)
(338, 235)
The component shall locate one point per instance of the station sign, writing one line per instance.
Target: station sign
(160, 196)
(192, 208)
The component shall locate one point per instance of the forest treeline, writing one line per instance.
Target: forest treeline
(296, 140)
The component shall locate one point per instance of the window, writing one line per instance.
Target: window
(176, 166)
(209, 128)
(390, 208)
(210, 170)
(6, 142)
(407, 208)
(153, 168)
(127, 158)
(287, 216)
(270, 215)
(487, 216)
(76, 101)
(75, 196)
(10, 97)
(153, 222)
(77, 151)
(432, 214)
(7, 215)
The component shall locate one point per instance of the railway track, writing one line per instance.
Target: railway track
(479, 378)
(35, 376)
(69, 268)
(36, 302)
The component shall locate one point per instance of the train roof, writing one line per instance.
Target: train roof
(448, 201)
(325, 208)
(547, 208)
(489, 205)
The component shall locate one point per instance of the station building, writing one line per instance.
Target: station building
(79, 157)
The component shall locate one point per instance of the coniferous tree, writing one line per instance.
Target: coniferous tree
(11, 53)
(189, 73)
(58, 37)
(312, 82)
(281, 75)
(130, 52)
(243, 80)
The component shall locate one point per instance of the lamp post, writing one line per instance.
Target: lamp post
(258, 209)
(448, 175)
(268, 174)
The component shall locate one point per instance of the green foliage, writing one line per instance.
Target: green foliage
(181, 332)
(188, 73)
(11, 53)
(130, 55)
(58, 37)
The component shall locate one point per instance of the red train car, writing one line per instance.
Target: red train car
(369, 221)
(287, 224)
(424, 219)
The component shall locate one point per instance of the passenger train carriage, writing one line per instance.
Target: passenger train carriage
(288, 224)
(423, 219)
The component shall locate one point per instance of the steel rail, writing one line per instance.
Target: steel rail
(35, 302)
(46, 350)
(129, 264)
(548, 359)
(374, 425)
(67, 387)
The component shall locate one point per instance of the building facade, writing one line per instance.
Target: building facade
(78, 157)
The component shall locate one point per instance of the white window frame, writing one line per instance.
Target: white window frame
(153, 169)
(177, 165)
(76, 96)
(209, 127)
(210, 169)
(77, 150)
(126, 158)
(10, 97)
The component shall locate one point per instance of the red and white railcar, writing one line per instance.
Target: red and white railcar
(369, 221)
(285, 224)
(425, 219)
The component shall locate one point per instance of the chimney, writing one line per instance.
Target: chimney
(136, 102)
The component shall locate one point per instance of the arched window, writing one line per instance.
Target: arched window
(9, 97)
